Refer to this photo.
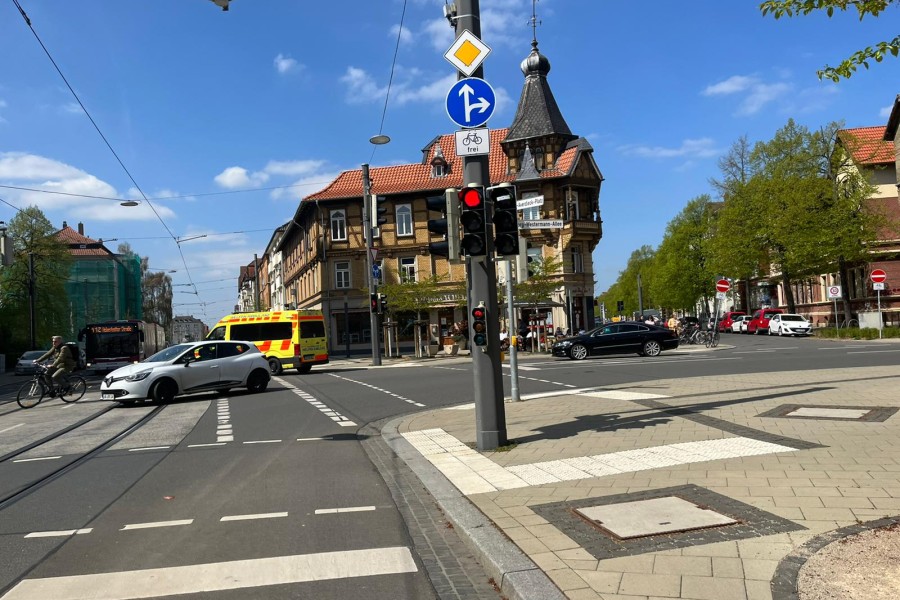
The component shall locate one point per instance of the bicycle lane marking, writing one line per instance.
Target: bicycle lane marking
(382, 390)
(320, 406)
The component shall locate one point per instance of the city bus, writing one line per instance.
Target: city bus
(288, 338)
(113, 344)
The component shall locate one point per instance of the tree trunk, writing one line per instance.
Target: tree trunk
(845, 288)
(788, 292)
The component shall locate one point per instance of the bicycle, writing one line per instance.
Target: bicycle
(31, 393)
(712, 339)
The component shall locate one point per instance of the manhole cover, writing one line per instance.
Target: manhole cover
(829, 413)
(641, 518)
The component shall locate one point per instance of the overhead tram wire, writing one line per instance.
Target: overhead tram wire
(97, 128)
(387, 94)
(179, 197)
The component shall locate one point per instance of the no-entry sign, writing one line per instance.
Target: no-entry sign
(723, 285)
(878, 275)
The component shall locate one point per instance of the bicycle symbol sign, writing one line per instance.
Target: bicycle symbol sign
(472, 142)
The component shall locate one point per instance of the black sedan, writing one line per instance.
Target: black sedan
(617, 338)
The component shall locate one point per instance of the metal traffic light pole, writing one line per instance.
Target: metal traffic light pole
(370, 262)
(481, 286)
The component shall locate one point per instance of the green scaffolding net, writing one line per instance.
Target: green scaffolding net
(103, 289)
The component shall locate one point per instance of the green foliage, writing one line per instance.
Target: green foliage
(641, 262)
(847, 67)
(542, 281)
(856, 333)
(31, 233)
(416, 296)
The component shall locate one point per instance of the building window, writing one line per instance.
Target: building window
(538, 155)
(534, 258)
(533, 213)
(404, 220)
(438, 169)
(342, 275)
(407, 269)
(338, 225)
(573, 212)
(577, 260)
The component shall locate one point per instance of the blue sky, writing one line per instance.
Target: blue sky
(197, 102)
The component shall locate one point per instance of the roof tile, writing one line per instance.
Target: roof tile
(867, 145)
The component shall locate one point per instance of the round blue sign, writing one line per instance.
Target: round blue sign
(470, 102)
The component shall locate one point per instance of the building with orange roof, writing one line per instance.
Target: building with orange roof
(323, 249)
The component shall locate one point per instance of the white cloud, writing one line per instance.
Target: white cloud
(71, 108)
(436, 90)
(885, 112)
(361, 86)
(690, 148)
(756, 93)
(439, 34)
(406, 36)
(293, 167)
(305, 186)
(286, 64)
(40, 172)
(239, 177)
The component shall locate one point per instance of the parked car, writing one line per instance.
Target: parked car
(617, 338)
(789, 324)
(25, 364)
(759, 323)
(739, 324)
(725, 325)
(211, 365)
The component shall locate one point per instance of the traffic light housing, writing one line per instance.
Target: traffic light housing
(620, 306)
(382, 304)
(479, 325)
(447, 226)
(374, 304)
(378, 216)
(473, 217)
(506, 219)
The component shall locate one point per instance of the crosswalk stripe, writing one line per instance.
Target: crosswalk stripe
(213, 577)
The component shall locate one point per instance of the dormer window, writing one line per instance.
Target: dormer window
(538, 154)
(438, 164)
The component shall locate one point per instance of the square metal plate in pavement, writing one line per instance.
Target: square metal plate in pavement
(628, 520)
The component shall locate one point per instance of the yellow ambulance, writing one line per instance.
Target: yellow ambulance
(289, 339)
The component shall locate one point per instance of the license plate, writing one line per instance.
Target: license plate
(107, 396)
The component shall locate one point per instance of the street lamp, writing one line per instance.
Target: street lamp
(5, 255)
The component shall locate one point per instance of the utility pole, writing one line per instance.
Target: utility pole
(370, 262)
(256, 283)
(481, 286)
(31, 298)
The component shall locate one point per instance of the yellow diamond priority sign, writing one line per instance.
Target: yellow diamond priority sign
(467, 53)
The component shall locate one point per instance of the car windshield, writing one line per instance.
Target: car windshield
(31, 354)
(792, 318)
(168, 354)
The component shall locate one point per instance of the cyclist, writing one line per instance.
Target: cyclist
(63, 363)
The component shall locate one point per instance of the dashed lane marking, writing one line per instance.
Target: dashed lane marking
(18, 460)
(11, 428)
(213, 577)
(43, 534)
(277, 515)
(206, 445)
(378, 389)
(264, 442)
(323, 408)
(156, 524)
(330, 511)
(149, 448)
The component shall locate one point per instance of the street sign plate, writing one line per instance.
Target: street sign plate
(467, 53)
(878, 286)
(834, 291)
(472, 142)
(470, 102)
(541, 224)
(529, 202)
(878, 275)
(720, 295)
(373, 252)
(723, 285)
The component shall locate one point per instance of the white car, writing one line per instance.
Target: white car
(739, 323)
(213, 365)
(788, 324)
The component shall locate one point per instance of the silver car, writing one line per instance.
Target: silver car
(189, 368)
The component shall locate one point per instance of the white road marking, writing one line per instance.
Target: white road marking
(264, 442)
(226, 438)
(43, 534)
(148, 448)
(11, 428)
(378, 389)
(157, 524)
(224, 432)
(330, 511)
(871, 351)
(330, 413)
(213, 577)
(473, 473)
(521, 368)
(312, 439)
(34, 459)
(206, 445)
(251, 517)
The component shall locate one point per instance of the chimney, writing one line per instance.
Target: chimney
(65, 225)
(81, 228)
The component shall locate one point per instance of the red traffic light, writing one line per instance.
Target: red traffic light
(478, 313)
(471, 197)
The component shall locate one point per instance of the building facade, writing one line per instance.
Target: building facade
(186, 328)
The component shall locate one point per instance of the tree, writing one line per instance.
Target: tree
(781, 8)
(407, 295)
(32, 235)
(625, 289)
(543, 280)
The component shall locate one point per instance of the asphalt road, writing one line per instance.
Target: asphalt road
(278, 495)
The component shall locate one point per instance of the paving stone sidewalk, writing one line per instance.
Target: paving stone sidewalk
(785, 459)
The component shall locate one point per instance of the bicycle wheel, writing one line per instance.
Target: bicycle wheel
(75, 390)
(708, 339)
(31, 394)
(715, 339)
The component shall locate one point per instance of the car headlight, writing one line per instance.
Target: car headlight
(139, 375)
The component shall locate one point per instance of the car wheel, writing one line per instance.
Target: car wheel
(651, 348)
(756, 331)
(304, 368)
(578, 352)
(275, 366)
(258, 381)
(163, 391)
